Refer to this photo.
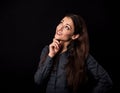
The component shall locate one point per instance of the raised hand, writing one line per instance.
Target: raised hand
(54, 47)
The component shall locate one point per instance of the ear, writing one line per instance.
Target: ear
(75, 36)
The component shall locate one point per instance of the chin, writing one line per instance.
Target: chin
(57, 37)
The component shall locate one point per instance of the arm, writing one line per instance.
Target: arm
(104, 82)
(44, 68)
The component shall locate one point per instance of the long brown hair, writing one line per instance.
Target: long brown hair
(78, 51)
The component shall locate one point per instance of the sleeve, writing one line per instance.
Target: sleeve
(44, 68)
(104, 82)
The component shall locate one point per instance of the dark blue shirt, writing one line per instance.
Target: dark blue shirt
(51, 77)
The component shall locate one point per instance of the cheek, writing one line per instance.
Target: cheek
(67, 36)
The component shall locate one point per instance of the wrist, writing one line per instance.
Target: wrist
(50, 55)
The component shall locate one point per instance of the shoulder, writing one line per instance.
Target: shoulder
(92, 63)
(45, 50)
(90, 59)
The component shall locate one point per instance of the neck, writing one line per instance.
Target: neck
(64, 47)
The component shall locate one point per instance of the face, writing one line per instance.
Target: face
(65, 29)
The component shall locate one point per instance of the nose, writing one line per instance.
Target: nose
(60, 27)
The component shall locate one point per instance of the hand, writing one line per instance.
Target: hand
(54, 47)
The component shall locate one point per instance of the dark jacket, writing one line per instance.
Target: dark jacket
(51, 78)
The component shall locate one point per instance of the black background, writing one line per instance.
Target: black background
(26, 26)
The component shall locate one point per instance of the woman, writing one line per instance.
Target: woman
(66, 66)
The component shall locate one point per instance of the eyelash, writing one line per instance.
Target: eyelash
(66, 27)
(60, 22)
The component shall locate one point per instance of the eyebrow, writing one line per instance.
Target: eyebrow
(67, 24)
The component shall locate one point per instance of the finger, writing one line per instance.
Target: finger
(57, 41)
(56, 45)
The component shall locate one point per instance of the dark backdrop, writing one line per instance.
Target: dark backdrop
(26, 26)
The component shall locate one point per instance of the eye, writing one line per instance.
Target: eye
(60, 23)
(67, 27)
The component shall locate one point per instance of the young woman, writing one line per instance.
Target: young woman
(66, 66)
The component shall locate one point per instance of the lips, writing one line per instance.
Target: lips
(59, 33)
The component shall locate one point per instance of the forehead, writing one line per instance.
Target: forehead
(68, 20)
